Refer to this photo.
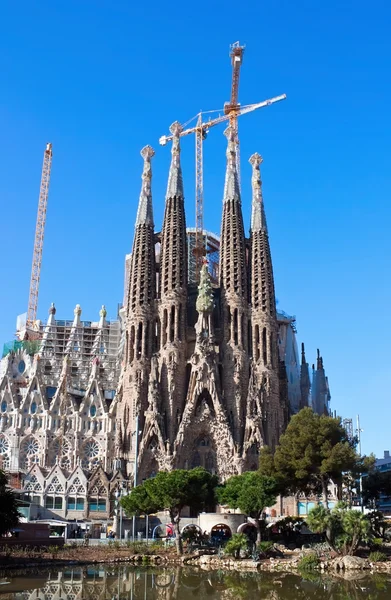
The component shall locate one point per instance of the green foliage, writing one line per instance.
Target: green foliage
(345, 529)
(265, 547)
(379, 524)
(376, 543)
(251, 492)
(377, 556)
(313, 451)
(309, 562)
(53, 550)
(237, 543)
(9, 514)
(140, 500)
(173, 491)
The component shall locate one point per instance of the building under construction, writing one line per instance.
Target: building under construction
(199, 369)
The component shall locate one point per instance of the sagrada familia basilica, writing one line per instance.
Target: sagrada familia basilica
(192, 373)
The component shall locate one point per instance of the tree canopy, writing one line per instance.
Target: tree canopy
(173, 491)
(344, 528)
(313, 451)
(251, 492)
(9, 515)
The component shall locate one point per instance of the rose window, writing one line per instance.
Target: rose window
(90, 455)
(61, 452)
(29, 453)
(91, 449)
(31, 447)
(4, 445)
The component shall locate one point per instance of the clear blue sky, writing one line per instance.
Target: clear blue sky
(101, 79)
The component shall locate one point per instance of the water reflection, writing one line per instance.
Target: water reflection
(126, 583)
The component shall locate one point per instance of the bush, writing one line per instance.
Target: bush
(309, 562)
(264, 547)
(238, 542)
(376, 543)
(377, 556)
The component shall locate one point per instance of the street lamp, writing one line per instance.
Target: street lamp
(118, 495)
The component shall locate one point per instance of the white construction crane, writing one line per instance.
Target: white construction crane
(201, 130)
(39, 236)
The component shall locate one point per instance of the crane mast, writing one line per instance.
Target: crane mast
(39, 236)
(231, 108)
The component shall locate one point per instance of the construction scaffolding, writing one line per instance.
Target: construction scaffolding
(211, 243)
(84, 344)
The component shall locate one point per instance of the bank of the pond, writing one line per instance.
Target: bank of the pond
(289, 561)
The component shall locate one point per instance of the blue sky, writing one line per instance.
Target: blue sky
(101, 79)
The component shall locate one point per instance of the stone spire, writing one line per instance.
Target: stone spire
(142, 278)
(258, 217)
(262, 287)
(175, 180)
(233, 276)
(75, 339)
(173, 293)
(231, 186)
(141, 316)
(145, 212)
(320, 393)
(47, 343)
(305, 383)
(264, 326)
(234, 299)
(173, 247)
(100, 345)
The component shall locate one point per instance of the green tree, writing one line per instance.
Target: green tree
(9, 514)
(344, 528)
(313, 451)
(251, 492)
(140, 500)
(172, 491)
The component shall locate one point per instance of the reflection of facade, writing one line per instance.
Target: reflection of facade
(123, 583)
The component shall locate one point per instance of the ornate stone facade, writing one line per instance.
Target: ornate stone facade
(202, 371)
(191, 374)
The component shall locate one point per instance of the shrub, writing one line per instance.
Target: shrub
(238, 542)
(264, 547)
(376, 543)
(309, 562)
(377, 556)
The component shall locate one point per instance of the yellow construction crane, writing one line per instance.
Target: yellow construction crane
(39, 236)
(201, 129)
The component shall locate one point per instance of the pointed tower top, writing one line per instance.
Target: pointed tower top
(231, 187)
(175, 181)
(303, 361)
(102, 314)
(145, 213)
(77, 313)
(258, 218)
(319, 360)
(52, 312)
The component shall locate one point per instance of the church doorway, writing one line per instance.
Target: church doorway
(204, 455)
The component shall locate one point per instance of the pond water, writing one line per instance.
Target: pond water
(127, 583)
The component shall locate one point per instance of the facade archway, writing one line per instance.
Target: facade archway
(248, 529)
(220, 533)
